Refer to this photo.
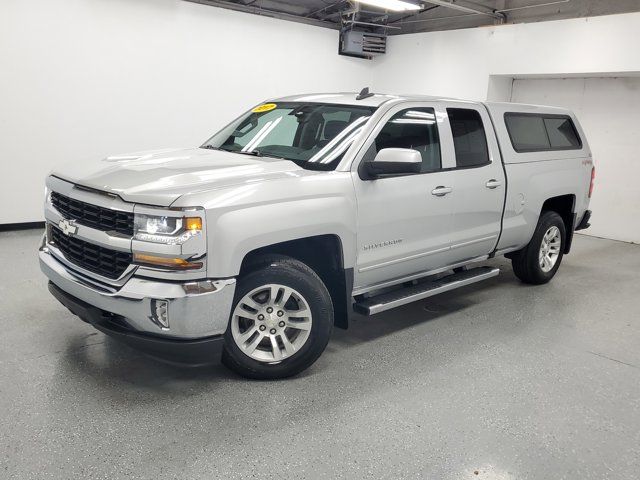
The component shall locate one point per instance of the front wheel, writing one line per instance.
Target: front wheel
(539, 261)
(281, 320)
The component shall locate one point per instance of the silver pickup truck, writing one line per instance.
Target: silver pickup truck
(251, 247)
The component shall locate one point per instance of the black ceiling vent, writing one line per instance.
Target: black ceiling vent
(359, 43)
(363, 33)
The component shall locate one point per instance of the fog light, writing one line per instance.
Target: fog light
(160, 313)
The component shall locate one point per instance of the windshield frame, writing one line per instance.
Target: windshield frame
(351, 133)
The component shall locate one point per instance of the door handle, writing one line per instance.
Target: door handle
(493, 183)
(441, 191)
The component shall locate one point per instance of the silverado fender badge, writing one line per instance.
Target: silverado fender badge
(386, 243)
(68, 227)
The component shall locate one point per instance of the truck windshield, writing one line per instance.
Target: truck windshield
(313, 135)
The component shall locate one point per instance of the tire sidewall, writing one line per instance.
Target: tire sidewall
(292, 274)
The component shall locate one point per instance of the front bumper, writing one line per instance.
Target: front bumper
(202, 351)
(197, 310)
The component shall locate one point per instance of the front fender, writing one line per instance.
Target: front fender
(236, 233)
(258, 214)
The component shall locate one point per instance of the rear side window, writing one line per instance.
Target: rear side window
(469, 138)
(528, 133)
(562, 133)
(540, 133)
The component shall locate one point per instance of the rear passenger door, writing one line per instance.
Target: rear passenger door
(478, 176)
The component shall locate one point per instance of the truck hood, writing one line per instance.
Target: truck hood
(160, 177)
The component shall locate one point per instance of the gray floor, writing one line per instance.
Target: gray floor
(501, 379)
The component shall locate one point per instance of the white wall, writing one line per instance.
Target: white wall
(459, 63)
(82, 79)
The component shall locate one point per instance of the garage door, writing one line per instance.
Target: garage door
(609, 111)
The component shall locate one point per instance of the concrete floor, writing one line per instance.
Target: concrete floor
(502, 379)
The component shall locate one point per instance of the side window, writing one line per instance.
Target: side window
(541, 133)
(413, 128)
(561, 132)
(469, 138)
(528, 133)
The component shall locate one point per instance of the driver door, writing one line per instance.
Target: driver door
(404, 221)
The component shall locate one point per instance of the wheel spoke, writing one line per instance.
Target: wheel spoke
(286, 295)
(250, 302)
(273, 294)
(301, 325)
(243, 337)
(247, 313)
(253, 345)
(275, 348)
(288, 346)
(302, 313)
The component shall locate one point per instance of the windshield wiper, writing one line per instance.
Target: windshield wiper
(258, 153)
(255, 153)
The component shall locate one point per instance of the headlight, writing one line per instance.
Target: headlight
(167, 230)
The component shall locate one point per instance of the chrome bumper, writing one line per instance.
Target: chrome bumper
(192, 314)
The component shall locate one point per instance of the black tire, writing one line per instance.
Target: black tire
(526, 264)
(294, 274)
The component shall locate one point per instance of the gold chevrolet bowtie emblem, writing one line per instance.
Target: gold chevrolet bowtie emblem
(68, 227)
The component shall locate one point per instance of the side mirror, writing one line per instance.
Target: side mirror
(394, 161)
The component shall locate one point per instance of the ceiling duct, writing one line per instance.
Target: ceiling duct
(359, 43)
(363, 33)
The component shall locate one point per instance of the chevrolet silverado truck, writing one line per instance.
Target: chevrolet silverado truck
(304, 210)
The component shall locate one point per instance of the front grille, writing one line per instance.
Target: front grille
(93, 216)
(103, 261)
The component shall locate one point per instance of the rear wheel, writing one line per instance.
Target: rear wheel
(539, 261)
(281, 321)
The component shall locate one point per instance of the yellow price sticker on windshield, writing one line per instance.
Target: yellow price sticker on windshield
(265, 107)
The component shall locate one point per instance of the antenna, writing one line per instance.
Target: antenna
(364, 93)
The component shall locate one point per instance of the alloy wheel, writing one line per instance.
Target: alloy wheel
(271, 323)
(550, 249)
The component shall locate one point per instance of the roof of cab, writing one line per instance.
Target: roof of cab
(377, 99)
(349, 98)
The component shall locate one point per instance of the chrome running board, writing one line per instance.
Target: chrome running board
(396, 298)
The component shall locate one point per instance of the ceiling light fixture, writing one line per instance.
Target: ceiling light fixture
(394, 5)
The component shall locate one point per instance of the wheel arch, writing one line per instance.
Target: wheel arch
(563, 205)
(322, 253)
